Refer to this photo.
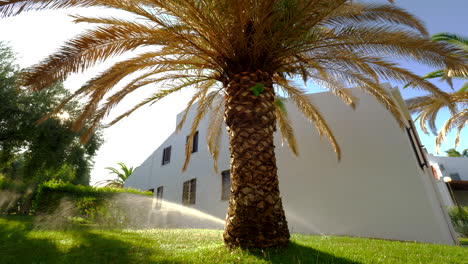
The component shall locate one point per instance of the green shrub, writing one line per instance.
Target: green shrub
(97, 205)
(459, 216)
(16, 193)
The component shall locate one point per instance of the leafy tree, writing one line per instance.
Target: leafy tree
(32, 152)
(428, 107)
(454, 153)
(121, 174)
(247, 51)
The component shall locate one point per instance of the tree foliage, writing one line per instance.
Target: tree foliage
(33, 152)
(455, 153)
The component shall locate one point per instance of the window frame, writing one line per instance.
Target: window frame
(189, 192)
(166, 154)
(159, 196)
(194, 147)
(441, 167)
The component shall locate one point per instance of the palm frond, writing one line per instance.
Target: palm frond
(459, 121)
(203, 106)
(298, 96)
(286, 129)
(453, 39)
(213, 132)
(359, 13)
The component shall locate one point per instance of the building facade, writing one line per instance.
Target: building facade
(382, 187)
(451, 175)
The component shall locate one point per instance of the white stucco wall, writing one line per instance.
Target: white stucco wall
(376, 190)
(452, 165)
(445, 195)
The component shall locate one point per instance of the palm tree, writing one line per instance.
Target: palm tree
(239, 55)
(428, 107)
(122, 175)
(455, 153)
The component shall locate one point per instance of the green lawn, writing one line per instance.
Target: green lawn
(21, 243)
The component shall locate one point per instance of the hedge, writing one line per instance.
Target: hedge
(459, 216)
(109, 206)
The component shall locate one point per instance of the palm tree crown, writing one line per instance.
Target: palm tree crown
(122, 174)
(455, 153)
(336, 44)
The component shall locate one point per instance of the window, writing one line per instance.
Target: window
(159, 196)
(416, 144)
(166, 155)
(225, 185)
(189, 192)
(442, 168)
(455, 176)
(194, 142)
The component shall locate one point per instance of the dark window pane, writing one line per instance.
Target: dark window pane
(159, 196)
(225, 185)
(455, 176)
(166, 155)
(195, 142)
(159, 192)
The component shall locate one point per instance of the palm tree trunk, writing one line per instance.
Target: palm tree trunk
(255, 216)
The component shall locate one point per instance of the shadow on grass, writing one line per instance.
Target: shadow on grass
(296, 253)
(16, 247)
(20, 243)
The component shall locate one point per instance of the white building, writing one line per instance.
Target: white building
(381, 188)
(455, 169)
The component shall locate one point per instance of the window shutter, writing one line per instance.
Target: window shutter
(168, 159)
(195, 142)
(185, 193)
(193, 191)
